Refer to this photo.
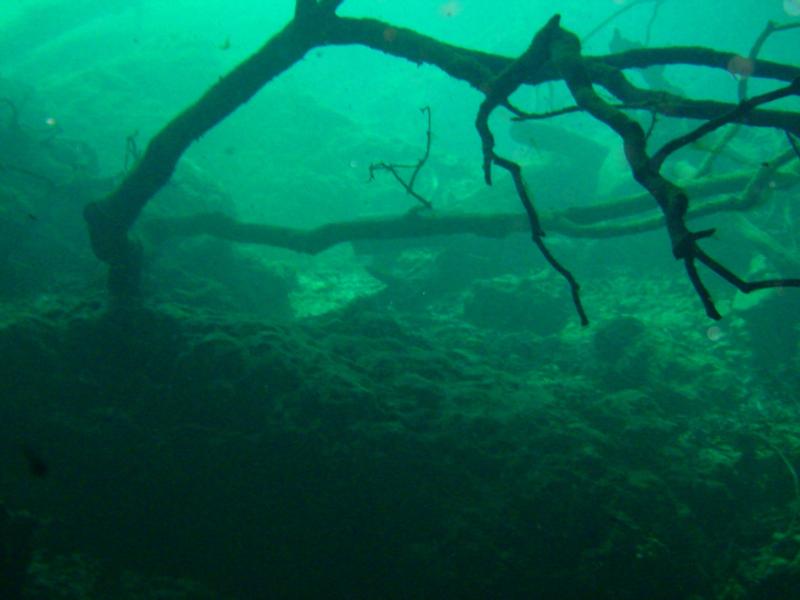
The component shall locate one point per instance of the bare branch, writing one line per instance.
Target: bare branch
(506, 83)
(554, 54)
(393, 168)
(672, 200)
(737, 114)
(596, 220)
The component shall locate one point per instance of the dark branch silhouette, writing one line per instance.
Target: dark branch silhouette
(626, 216)
(554, 55)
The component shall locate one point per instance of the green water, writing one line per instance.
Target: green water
(359, 408)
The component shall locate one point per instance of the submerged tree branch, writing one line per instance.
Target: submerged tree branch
(630, 215)
(672, 200)
(394, 168)
(554, 55)
(497, 93)
(737, 114)
(110, 219)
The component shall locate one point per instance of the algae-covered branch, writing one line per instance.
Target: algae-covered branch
(553, 55)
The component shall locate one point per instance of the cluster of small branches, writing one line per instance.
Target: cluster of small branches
(561, 49)
(394, 168)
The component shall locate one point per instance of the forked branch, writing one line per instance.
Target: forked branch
(553, 55)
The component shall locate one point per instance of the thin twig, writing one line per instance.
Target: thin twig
(521, 115)
(793, 143)
(741, 91)
(740, 111)
(537, 233)
(408, 186)
(614, 16)
(652, 22)
(426, 110)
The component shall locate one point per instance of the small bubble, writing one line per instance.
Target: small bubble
(51, 121)
(714, 333)
(791, 7)
(354, 164)
(741, 67)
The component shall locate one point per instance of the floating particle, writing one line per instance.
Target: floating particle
(791, 7)
(450, 9)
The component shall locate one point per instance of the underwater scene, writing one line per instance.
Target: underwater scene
(399, 299)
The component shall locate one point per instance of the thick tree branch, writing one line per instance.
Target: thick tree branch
(737, 114)
(478, 68)
(554, 55)
(672, 200)
(497, 93)
(601, 220)
(499, 88)
(110, 219)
